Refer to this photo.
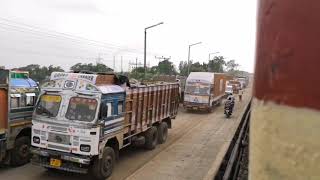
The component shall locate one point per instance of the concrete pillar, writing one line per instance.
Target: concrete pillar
(285, 120)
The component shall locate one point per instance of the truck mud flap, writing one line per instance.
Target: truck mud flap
(2, 148)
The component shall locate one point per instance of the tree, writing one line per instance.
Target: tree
(216, 65)
(166, 67)
(231, 65)
(40, 74)
(183, 68)
(99, 67)
(194, 67)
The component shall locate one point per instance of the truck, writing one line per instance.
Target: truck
(244, 80)
(204, 90)
(236, 86)
(18, 95)
(82, 120)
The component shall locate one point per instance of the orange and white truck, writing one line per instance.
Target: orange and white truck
(204, 90)
(81, 121)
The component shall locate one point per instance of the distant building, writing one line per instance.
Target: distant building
(2, 67)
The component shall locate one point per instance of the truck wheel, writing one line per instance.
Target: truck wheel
(21, 152)
(102, 168)
(162, 132)
(151, 136)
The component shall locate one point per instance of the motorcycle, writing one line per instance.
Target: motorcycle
(228, 108)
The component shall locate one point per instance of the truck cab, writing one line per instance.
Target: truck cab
(204, 90)
(18, 94)
(70, 117)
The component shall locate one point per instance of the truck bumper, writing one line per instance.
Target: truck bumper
(190, 106)
(69, 162)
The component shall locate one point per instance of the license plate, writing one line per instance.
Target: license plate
(55, 162)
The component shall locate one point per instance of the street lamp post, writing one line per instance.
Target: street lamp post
(145, 46)
(209, 59)
(189, 55)
(213, 53)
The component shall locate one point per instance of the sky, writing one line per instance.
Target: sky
(65, 32)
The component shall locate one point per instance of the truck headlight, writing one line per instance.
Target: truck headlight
(36, 140)
(85, 148)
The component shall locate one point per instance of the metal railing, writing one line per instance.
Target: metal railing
(230, 166)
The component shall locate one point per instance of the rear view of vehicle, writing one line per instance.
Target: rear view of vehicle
(229, 90)
(18, 94)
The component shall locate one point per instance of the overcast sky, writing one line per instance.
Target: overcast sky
(28, 31)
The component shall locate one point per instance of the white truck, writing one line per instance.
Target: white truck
(81, 121)
(204, 90)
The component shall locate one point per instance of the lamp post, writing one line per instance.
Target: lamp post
(213, 53)
(209, 59)
(189, 55)
(145, 46)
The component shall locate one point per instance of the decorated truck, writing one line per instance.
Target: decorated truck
(81, 121)
(18, 95)
(204, 90)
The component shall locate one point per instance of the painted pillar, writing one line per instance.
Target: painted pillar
(285, 121)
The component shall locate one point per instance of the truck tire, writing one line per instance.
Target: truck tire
(20, 154)
(102, 168)
(151, 137)
(162, 132)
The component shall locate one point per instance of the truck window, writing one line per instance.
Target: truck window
(48, 105)
(195, 88)
(120, 107)
(30, 99)
(23, 101)
(81, 109)
(14, 102)
(110, 109)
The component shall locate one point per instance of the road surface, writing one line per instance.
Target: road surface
(194, 149)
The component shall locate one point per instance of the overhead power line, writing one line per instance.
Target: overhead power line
(21, 27)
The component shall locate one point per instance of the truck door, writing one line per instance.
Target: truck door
(4, 91)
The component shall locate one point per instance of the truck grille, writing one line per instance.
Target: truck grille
(59, 138)
(58, 129)
(56, 147)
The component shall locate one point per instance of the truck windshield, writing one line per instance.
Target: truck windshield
(196, 88)
(229, 88)
(81, 109)
(48, 105)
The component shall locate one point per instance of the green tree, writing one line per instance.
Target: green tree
(231, 65)
(166, 67)
(194, 67)
(183, 68)
(99, 67)
(38, 73)
(217, 64)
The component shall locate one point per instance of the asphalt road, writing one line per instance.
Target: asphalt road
(193, 150)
